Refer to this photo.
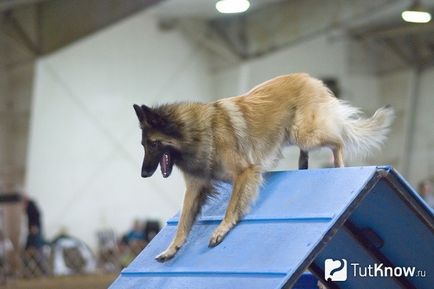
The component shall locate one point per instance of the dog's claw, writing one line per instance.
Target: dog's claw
(220, 233)
(216, 239)
(160, 258)
(165, 256)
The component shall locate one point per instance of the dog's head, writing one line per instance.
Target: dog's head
(159, 139)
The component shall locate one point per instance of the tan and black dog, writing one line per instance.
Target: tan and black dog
(236, 139)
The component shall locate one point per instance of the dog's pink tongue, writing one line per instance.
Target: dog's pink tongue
(164, 165)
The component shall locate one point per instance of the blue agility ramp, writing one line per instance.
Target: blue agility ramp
(356, 217)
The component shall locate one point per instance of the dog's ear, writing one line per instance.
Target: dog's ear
(153, 119)
(139, 112)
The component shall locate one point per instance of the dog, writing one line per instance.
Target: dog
(236, 139)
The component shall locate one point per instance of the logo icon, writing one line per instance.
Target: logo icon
(335, 270)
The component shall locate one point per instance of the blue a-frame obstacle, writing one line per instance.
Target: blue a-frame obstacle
(365, 215)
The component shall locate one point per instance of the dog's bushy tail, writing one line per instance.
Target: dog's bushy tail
(364, 135)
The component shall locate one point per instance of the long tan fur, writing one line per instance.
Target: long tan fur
(236, 139)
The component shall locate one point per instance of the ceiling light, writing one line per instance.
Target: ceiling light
(416, 14)
(232, 6)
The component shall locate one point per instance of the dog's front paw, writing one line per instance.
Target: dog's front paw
(166, 255)
(218, 236)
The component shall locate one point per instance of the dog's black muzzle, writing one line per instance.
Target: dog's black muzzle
(150, 165)
(147, 172)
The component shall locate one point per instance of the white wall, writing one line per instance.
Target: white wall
(85, 154)
(422, 158)
(397, 89)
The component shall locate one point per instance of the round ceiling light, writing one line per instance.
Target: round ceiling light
(232, 6)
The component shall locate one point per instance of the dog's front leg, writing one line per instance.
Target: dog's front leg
(194, 197)
(244, 191)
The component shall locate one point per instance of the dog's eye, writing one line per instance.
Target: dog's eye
(154, 144)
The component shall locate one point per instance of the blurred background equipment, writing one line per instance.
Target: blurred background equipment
(152, 227)
(72, 256)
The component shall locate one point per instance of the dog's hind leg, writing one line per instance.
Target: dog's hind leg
(244, 191)
(303, 160)
(194, 197)
(338, 156)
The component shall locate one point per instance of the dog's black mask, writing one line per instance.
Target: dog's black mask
(155, 151)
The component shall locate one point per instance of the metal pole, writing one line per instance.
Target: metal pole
(410, 135)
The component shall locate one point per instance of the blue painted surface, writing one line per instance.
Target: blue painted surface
(294, 220)
(402, 221)
(343, 246)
